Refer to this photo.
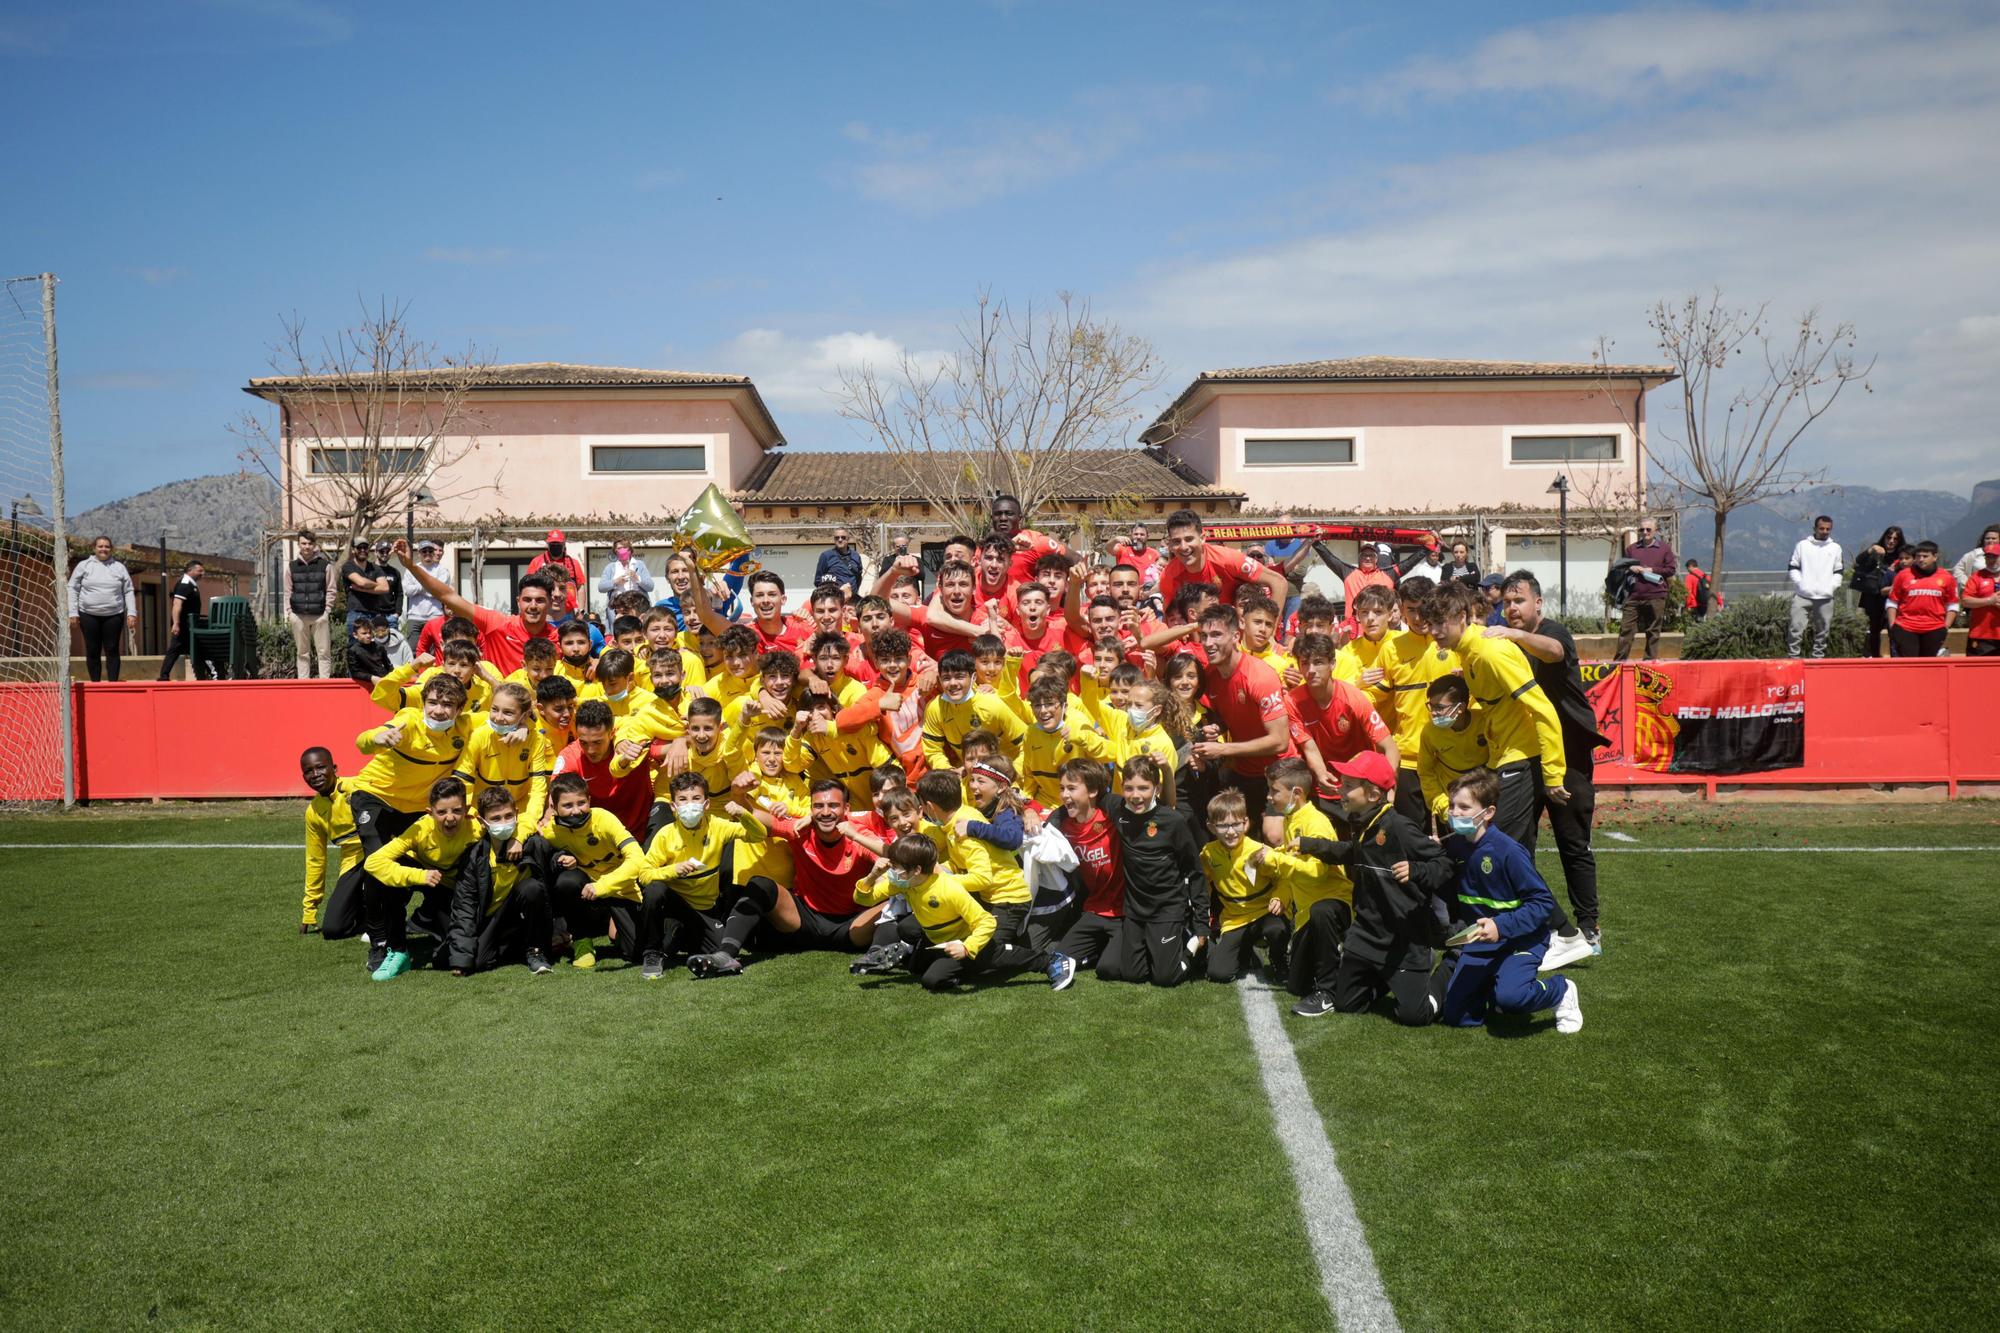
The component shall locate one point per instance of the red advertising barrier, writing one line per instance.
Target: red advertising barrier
(1867, 722)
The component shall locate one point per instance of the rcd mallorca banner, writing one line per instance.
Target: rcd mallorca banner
(1702, 717)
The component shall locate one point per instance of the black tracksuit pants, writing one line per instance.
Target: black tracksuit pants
(1360, 983)
(1233, 952)
(1146, 951)
(344, 913)
(1316, 947)
(724, 928)
(1088, 937)
(593, 917)
(1571, 826)
(519, 924)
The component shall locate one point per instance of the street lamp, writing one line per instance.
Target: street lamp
(419, 496)
(1560, 489)
(25, 505)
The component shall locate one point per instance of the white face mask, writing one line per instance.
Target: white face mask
(900, 879)
(501, 832)
(957, 698)
(439, 723)
(1050, 727)
(690, 814)
(1140, 718)
(1139, 809)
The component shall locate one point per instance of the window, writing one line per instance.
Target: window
(339, 462)
(500, 577)
(1336, 451)
(648, 458)
(1563, 449)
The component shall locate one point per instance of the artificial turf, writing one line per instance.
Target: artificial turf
(1777, 1114)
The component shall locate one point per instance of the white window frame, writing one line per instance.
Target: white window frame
(1245, 438)
(1619, 434)
(709, 445)
(310, 447)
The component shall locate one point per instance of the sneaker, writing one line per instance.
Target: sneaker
(1315, 1005)
(376, 953)
(394, 963)
(538, 963)
(1564, 950)
(880, 958)
(1596, 938)
(1062, 971)
(583, 952)
(717, 964)
(1569, 1011)
(653, 966)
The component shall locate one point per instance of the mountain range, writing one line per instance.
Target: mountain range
(203, 515)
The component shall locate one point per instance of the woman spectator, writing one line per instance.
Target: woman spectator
(103, 606)
(1975, 559)
(1873, 569)
(625, 573)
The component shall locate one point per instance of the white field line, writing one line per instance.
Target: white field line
(1616, 836)
(1348, 1277)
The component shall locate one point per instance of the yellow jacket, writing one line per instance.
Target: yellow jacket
(704, 843)
(1520, 721)
(329, 823)
(1448, 752)
(1244, 890)
(606, 854)
(1418, 662)
(941, 906)
(522, 768)
(946, 723)
(401, 775)
(427, 848)
(991, 873)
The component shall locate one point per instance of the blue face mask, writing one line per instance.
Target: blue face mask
(900, 879)
(1464, 827)
(502, 728)
(440, 723)
(500, 832)
(1140, 718)
(614, 698)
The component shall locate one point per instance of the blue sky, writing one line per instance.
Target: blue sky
(781, 189)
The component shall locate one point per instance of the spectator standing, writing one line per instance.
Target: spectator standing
(840, 564)
(1135, 551)
(555, 555)
(1981, 599)
(1288, 557)
(365, 583)
(1815, 567)
(1369, 570)
(1491, 591)
(186, 606)
(1975, 558)
(1460, 568)
(1874, 570)
(102, 605)
(1429, 566)
(1701, 592)
(625, 573)
(419, 607)
(1922, 601)
(1646, 606)
(392, 600)
(309, 590)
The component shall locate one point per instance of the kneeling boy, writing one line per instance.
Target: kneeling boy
(500, 909)
(957, 932)
(685, 858)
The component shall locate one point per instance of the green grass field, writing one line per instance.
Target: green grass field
(1778, 1113)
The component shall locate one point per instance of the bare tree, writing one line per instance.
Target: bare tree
(1745, 457)
(1013, 411)
(1608, 504)
(368, 416)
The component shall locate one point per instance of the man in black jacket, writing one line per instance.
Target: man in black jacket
(1400, 878)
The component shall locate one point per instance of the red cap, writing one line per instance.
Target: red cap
(1370, 766)
(555, 535)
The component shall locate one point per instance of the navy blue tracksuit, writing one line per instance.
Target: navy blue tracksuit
(1497, 878)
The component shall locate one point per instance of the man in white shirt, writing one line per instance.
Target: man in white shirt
(420, 608)
(1815, 569)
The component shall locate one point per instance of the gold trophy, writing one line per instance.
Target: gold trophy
(713, 532)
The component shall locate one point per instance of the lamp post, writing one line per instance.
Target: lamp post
(1560, 489)
(420, 495)
(25, 505)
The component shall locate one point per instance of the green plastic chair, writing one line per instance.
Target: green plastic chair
(225, 641)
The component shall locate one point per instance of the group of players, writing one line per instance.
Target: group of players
(1146, 769)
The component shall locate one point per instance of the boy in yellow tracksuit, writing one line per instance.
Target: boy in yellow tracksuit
(947, 937)
(1321, 895)
(960, 708)
(403, 687)
(1417, 661)
(714, 916)
(428, 855)
(597, 867)
(1454, 742)
(505, 751)
(975, 845)
(1254, 909)
(1054, 740)
(334, 912)
(819, 748)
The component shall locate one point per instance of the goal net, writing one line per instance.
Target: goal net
(36, 760)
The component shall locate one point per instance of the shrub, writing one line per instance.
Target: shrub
(1756, 627)
(278, 657)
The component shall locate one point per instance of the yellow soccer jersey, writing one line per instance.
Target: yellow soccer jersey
(1357, 656)
(1419, 661)
(404, 688)
(329, 824)
(942, 906)
(946, 723)
(636, 703)
(1307, 879)
(704, 843)
(1275, 658)
(608, 855)
(522, 767)
(658, 721)
(1043, 753)
(990, 873)
(844, 756)
(1245, 891)
(400, 775)
(1446, 752)
(403, 861)
(1520, 721)
(717, 769)
(786, 797)
(742, 719)
(578, 676)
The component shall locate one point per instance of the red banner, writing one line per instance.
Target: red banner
(1318, 532)
(1669, 718)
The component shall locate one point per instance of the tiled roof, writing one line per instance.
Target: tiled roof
(1400, 370)
(541, 375)
(793, 475)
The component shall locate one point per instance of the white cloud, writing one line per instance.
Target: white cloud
(801, 374)
(1854, 167)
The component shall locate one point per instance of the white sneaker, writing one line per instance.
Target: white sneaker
(1564, 950)
(1569, 1011)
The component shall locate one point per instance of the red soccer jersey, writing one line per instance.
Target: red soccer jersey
(1924, 602)
(432, 639)
(1055, 637)
(1225, 567)
(1346, 726)
(936, 642)
(629, 798)
(1123, 554)
(1985, 620)
(1039, 545)
(791, 636)
(824, 874)
(1246, 700)
(1098, 861)
(503, 638)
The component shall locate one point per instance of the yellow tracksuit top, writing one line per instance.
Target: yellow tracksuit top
(844, 756)
(606, 854)
(423, 846)
(990, 873)
(1520, 721)
(704, 843)
(693, 673)
(1419, 661)
(401, 775)
(1307, 879)
(658, 721)
(1043, 753)
(522, 768)
(329, 823)
(1244, 890)
(723, 687)
(742, 719)
(946, 723)
(575, 675)
(1275, 658)
(784, 795)
(1356, 656)
(636, 703)
(404, 688)
(941, 905)
(1447, 752)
